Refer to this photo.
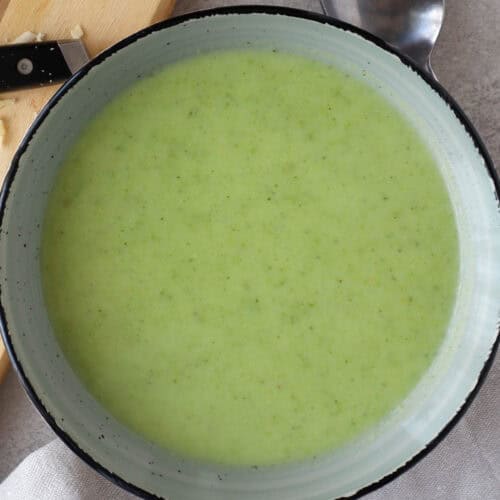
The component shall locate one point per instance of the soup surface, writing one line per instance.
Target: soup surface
(249, 258)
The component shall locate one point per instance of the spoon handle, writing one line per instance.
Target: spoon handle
(410, 26)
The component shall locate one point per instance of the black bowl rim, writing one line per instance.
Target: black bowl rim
(246, 9)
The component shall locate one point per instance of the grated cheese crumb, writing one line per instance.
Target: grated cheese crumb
(29, 37)
(77, 32)
(6, 102)
(26, 37)
(3, 131)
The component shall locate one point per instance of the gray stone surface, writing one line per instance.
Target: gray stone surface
(466, 61)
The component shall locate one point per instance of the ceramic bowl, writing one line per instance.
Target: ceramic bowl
(415, 424)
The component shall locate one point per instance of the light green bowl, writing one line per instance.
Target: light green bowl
(147, 469)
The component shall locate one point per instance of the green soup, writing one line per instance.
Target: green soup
(249, 258)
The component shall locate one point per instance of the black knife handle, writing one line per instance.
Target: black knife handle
(31, 65)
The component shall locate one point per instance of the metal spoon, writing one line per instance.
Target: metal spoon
(412, 26)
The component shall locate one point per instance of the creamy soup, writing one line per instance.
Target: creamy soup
(249, 258)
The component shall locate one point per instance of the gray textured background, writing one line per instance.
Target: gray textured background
(467, 62)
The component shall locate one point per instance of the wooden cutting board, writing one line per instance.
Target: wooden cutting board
(104, 22)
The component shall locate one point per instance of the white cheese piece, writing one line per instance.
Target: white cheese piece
(26, 37)
(77, 32)
(29, 37)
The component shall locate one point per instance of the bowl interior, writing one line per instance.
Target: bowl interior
(411, 426)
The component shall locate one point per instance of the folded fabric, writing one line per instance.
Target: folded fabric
(54, 472)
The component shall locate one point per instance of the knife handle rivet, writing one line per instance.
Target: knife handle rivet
(25, 66)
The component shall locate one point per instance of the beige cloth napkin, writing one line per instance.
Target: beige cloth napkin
(464, 466)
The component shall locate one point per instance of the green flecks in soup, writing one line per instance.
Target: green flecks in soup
(249, 258)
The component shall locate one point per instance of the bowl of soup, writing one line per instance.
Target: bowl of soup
(250, 253)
